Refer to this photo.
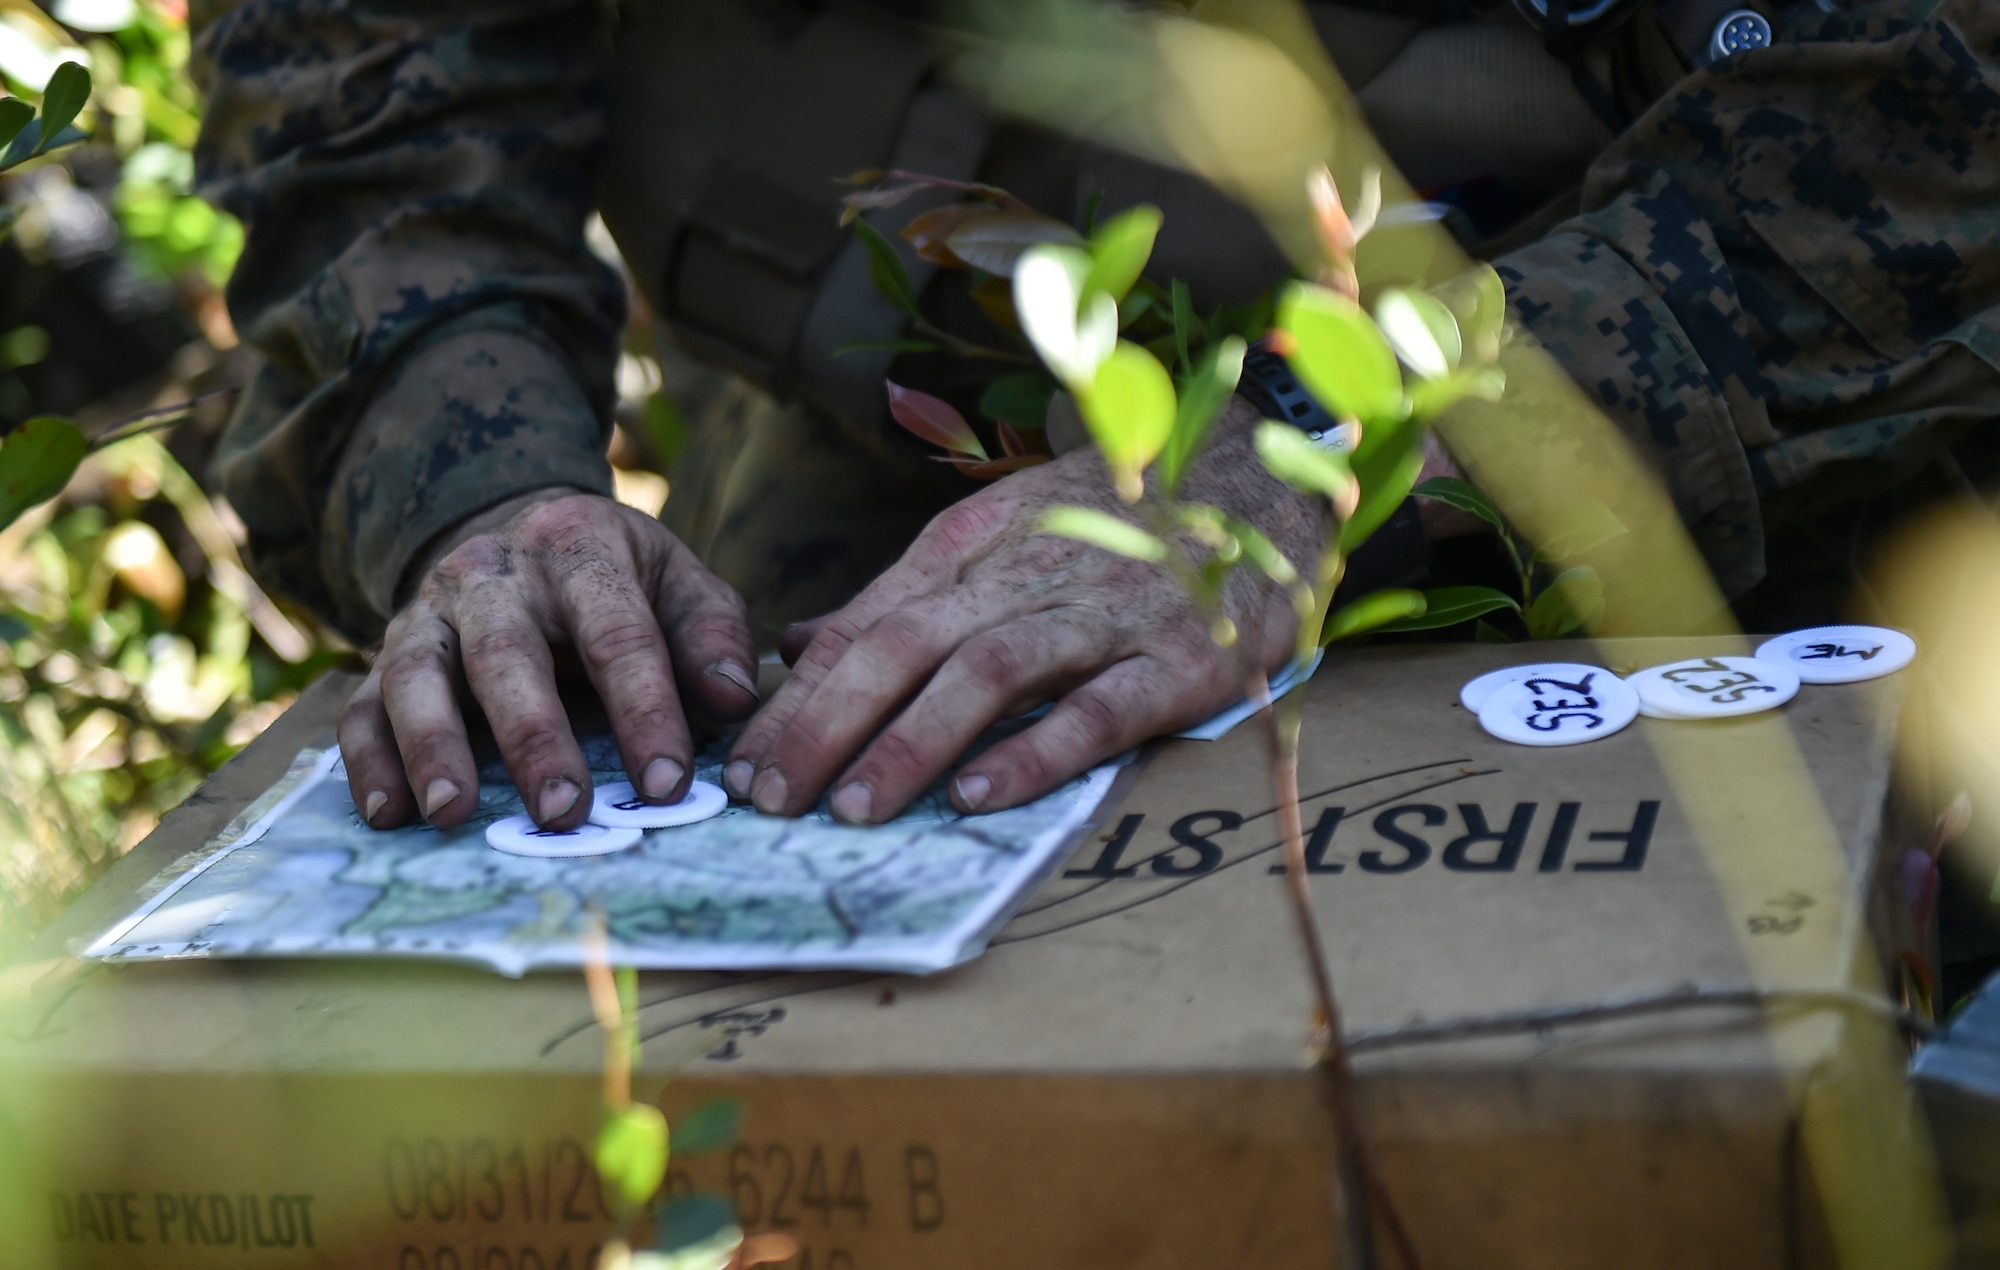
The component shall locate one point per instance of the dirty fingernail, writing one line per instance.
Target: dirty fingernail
(558, 796)
(852, 803)
(376, 797)
(768, 793)
(660, 777)
(973, 791)
(439, 796)
(740, 677)
(736, 778)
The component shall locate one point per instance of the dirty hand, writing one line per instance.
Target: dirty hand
(554, 572)
(985, 618)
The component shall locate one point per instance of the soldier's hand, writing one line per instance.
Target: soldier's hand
(985, 618)
(554, 573)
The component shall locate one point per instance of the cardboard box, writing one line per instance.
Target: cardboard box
(1121, 1080)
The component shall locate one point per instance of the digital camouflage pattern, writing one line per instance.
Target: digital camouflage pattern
(1785, 284)
(1784, 288)
(414, 180)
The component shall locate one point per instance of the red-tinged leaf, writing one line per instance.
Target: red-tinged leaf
(934, 420)
(887, 196)
(993, 469)
(1281, 343)
(1014, 445)
(996, 241)
(893, 186)
(929, 230)
(1337, 237)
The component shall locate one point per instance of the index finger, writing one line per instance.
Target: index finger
(834, 634)
(955, 538)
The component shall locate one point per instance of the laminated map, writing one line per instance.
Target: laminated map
(299, 874)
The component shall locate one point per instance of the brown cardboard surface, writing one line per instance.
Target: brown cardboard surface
(1120, 1081)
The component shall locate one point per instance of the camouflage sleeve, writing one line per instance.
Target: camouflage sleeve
(435, 336)
(1786, 277)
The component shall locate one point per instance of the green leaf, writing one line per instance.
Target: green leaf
(1101, 529)
(1134, 306)
(1487, 633)
(1073, 335)
(886, 346)
(1588, 524)
(1421, 330)
(627, 980)
(1250, 319)
(1342, 357)
(1303, 464)
(36, 461)
(692, 1221)
(1478, 299)
(28, 142)
(713, 1126)
(1119, 250)
(1371, 612)
(1262, 552)
(1129, 408)
(1020, 400)
(1430, 398)
(1184, 323)
(1574, 600)
(1450, 605)
(1386, 476)
(886, 269)
(1090, 206)
(1202, 399)
(632, 1153)
(67, 90)
(1456, 493)
(14, 116)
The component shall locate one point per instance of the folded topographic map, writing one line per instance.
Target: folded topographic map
(299, 875)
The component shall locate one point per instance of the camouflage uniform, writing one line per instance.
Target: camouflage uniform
(1783, 287)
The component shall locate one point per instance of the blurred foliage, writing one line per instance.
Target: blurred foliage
(136, 654)
(135, 658)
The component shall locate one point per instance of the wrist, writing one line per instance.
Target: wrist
(485, 521)
(1229, 474)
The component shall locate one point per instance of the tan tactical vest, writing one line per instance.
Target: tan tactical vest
(733, 120)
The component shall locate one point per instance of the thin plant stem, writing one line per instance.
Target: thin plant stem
(965, 347)
(1360, 1196)
(1363, 1196)
(611, 1020)
(153, 420)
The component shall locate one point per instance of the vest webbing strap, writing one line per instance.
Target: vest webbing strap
(743, 273)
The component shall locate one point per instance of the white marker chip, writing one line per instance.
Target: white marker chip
(1473, 696)
(1716, 687)
(1841, 654)
(1560, 708)
(1647, 710)
(618, 805)
(520, 835)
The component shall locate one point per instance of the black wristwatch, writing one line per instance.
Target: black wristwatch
(1269, 384)
(1397, 554)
